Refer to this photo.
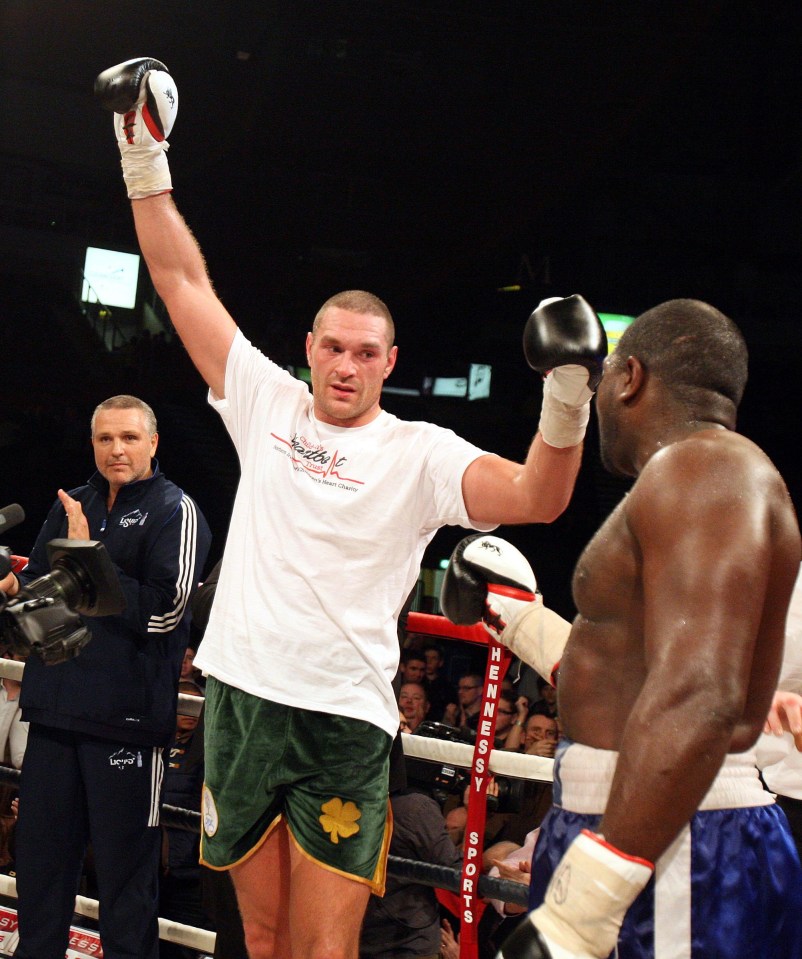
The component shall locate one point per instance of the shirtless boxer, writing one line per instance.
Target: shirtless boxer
(668, 672)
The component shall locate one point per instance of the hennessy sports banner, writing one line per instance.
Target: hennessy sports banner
(83, 944)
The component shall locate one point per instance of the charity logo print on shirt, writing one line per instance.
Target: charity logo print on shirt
(317, 462)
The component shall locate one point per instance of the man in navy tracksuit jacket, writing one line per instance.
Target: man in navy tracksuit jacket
(93, 765)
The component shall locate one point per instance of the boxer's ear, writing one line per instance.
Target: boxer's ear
(635, 376)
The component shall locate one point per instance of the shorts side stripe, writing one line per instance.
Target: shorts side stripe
(247, 855)
(672, 900)
(377, 881)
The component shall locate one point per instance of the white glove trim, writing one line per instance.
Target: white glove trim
(494, 618)
(569, 384)
(537, 635)
(496, 557)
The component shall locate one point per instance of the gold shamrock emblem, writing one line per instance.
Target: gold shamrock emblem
(339, 818)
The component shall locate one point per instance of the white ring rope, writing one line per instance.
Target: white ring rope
(201, 940)
(500, 762)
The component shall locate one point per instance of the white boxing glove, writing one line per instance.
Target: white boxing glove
(587, 898)
(487, 579)
(144, 99)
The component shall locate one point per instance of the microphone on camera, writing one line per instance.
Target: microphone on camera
(11, 516)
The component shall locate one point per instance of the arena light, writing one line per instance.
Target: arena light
(401, 390)
(110, 277)
(479, 381)
(614, 325)
(450, 386)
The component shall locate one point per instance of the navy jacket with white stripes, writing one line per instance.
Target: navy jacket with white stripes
(123, 684)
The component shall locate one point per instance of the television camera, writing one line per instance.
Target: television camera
(43, 617)
(442, 780)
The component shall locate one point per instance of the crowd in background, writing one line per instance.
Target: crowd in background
(434, 688)
(439, 689)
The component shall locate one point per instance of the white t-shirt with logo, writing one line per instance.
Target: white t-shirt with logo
(325, 542)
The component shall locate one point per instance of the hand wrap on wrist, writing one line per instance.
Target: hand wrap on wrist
(566, 406)
(588, 896)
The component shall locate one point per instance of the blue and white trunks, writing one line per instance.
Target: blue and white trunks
(729, 886)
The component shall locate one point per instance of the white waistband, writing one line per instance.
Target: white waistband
(585, 775)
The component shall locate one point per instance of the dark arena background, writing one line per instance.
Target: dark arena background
(462, 160)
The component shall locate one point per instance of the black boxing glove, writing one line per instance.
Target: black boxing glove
(525, 942)
(488, 579)
(565, 340)
(144, 99)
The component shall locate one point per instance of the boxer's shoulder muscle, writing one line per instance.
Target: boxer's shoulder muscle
(700, 485)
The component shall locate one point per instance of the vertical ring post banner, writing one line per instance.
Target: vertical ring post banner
(498, 661)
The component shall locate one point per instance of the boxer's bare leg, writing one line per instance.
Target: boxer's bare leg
(294, 909)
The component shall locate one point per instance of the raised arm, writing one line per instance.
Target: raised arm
(498, 490)
(565, 341)
(144, 99)
(178, 271)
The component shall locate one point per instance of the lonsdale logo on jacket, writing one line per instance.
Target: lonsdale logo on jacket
(136, 518)
(124, 757)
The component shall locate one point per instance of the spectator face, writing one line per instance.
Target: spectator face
(548, 693)
(413, 670)
(434, 662)
(539, 728)
(506, 714)
(469, 691)
(413, 704)
(187, 666)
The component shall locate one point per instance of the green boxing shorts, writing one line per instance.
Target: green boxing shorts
(326, 776)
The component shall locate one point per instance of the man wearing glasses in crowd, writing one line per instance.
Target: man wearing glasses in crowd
(465, 713)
